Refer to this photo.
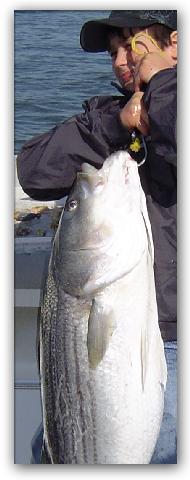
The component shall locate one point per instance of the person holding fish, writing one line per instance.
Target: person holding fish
(143, 49)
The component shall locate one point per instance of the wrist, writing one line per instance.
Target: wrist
(125, 121)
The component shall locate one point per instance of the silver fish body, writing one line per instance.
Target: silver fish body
(103, 370)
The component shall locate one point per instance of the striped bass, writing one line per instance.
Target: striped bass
(103, 369)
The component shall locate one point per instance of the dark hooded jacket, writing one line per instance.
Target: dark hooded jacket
(47, 166)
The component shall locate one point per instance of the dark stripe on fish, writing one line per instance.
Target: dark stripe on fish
(79, 395)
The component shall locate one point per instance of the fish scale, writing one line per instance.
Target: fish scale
(72, 416)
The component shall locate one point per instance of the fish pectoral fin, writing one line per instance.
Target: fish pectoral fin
(157, 356)
(100, 329)
(161, 360)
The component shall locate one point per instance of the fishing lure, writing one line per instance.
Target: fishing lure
(137, 50)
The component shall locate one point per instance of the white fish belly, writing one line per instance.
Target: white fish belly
(129, 382)
(127, 418)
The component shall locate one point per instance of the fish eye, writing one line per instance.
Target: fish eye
(71, 205)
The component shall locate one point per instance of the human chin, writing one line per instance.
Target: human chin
(127, 85)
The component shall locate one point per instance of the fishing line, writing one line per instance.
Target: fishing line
(145, 151)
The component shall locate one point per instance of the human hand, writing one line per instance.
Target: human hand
(134, 114)
(149, 65)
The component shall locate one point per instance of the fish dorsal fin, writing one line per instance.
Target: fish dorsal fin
(101, 325)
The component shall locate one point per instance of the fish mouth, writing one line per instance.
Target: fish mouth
(99, 239)
(87, 249)
(90, 248)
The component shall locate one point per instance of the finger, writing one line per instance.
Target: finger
(136, 109)
(137, 81)
(137, 87)
(143, 127)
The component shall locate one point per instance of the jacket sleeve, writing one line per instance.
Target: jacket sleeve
(47, 164)
(160, 99)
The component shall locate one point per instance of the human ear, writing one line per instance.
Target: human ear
(173, 44)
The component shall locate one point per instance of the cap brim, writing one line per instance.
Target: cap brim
(93, 36)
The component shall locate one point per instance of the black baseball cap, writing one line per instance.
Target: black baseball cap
(93, 36)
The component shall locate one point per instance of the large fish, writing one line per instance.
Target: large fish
(103, 369)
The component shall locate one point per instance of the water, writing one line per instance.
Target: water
(53, 75)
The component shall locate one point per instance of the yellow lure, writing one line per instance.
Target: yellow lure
(135, 145)
(136, 49)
